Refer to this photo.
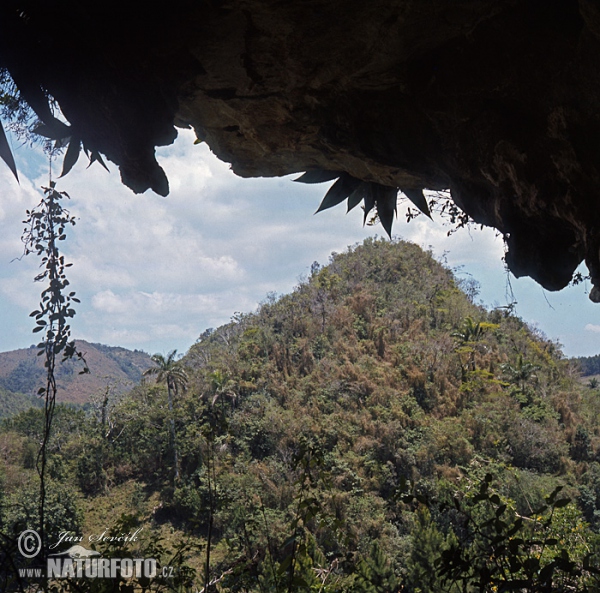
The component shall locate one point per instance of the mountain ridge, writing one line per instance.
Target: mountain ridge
(22, 371)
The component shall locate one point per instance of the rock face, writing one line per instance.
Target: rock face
(496, 100)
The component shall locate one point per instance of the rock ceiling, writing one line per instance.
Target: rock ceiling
(496, 100)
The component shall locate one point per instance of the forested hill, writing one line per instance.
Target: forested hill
(372, 431)
(384, 335)
(589, 365)
(22, 372)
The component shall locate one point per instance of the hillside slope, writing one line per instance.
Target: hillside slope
(22, 371)
(359, 434)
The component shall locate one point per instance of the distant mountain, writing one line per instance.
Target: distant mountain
(22, 372)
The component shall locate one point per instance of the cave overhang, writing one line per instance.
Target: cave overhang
(497, 101)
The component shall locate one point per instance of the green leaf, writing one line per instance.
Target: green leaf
(317, 176)
(516, 526)
(355, 198)
(71, 156)
(385, 200)
(550, 499)
(417, 197)
(96, 157)
(6, 153)
(339, 191)
(369, 200)
(513, 545)
(285, 564)
(546, 572)
(57, 131)
(299, 582)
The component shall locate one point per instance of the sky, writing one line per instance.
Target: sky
(153, 273)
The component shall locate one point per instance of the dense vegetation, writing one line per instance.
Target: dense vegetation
(590, 365)
(372, 431)
(12, 403)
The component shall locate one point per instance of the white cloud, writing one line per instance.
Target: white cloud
(136, 304)
(18, 289)
(108, 302)
(592, 328)
(157, 320)
(154, 272)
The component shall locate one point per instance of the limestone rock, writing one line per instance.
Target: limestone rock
(496, 100)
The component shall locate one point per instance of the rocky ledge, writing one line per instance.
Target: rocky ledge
(496, 100)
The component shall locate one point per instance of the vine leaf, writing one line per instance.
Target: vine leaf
(71, 156)
(6, 153)
(317, 176)
(417, 197)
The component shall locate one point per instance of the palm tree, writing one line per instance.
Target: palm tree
(220, 386)
(521, 373)
(470, 331)
(171, 371)
(466, 336)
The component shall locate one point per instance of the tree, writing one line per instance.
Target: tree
(375, 573)
(470, 331)
(551, 549)
(171, 371)
(427, 545)
(581, 448)
(466, 335)
(221, 389)
(521, 373)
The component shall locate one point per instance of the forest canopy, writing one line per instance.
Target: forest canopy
(374, 430)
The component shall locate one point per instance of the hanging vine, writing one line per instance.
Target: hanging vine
(45, 227)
